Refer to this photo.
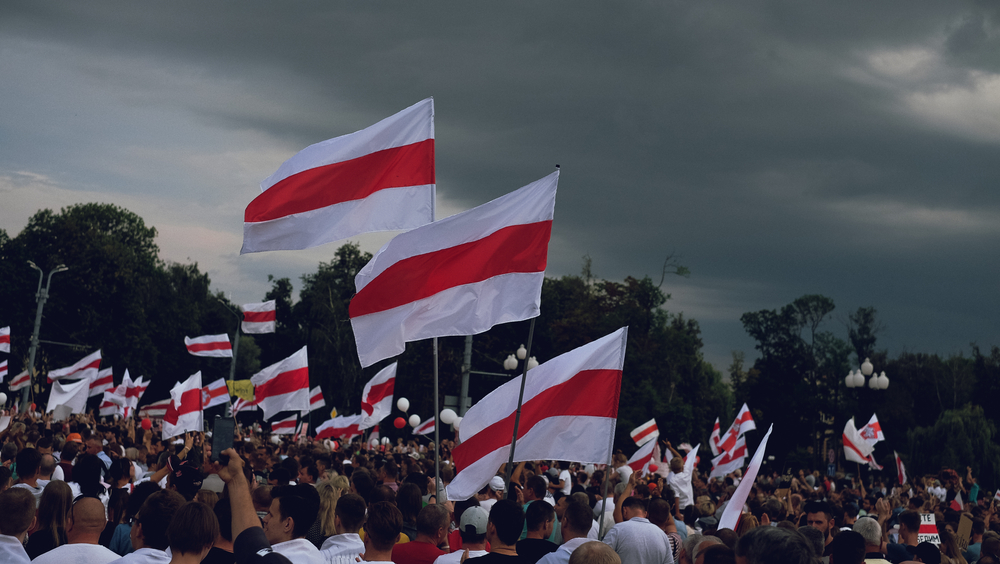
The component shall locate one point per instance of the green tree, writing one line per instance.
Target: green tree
(958, 438)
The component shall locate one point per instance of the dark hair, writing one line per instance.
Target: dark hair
(819, 507)
(363, 484)
(383, 525)
(155, 516)
(301, 503)
(280, 475)
(847, 547)
(193, 529)
(765, 545)
(508, 519)
(775, 510)
(87, 473)
(538, 513)
(409, 502)
(633, 502)
(120, 468)
(911, 519)
(140, 493)
(579, 517)
(390, 469)
(351, 510)
(18, 511)
(28, 461)
(537, 485)
(383, 493)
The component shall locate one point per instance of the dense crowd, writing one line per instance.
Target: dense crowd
(84, 491)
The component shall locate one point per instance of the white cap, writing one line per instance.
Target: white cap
(477, 517)
(496, 484)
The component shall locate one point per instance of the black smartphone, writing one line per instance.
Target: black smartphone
(223, 431)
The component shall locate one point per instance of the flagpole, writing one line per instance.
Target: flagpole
(520, 399)
(604, 488)
(437, 432)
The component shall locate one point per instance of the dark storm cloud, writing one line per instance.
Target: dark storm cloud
(781, 148)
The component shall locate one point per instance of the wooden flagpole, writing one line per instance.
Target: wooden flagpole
(520, 399)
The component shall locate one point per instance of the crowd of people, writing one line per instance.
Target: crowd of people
(95, 492)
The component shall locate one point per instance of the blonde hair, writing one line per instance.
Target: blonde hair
(329, 492)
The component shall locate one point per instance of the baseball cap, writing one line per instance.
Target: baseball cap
(185, 476)
(926, 551)
(496, 484)
(476, 517)
(74, 437)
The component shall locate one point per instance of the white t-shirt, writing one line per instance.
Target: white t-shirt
(145, 556)
(300, 551)
(567, 479)
(456, 557)
(77, 554)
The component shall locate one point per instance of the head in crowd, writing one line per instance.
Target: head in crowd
(350, 513)
(848, 547)
(383, 493)
(87, 474)
(870, 531)
(540, 516)
(18, 513)
(819, 516)
(506, 522)
(473, 525)
(577, 519)
(28, 461)
(6, 477)
(328, 496)
(140, 493)
(815, 538)
(86, 521)
(594, 552)
(383, 526)
(224, 514)
(909, 524)
(362, 484)
(293, 510)
(53, 509)
(716, 554)
(433, 521)
(193, 530)
(409, 501)
(149, 528)
(766, 545)
(925, 552)
(534, 488)
(633, 507)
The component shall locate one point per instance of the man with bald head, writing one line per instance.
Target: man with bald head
(594, 552)
(83, 531)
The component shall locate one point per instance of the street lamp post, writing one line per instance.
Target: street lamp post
(236, 348)
(41, 296)
(510, 364)
(856, 378)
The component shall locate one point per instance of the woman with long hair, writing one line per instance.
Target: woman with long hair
(117, 504)
(53, 512)
(329, 492)
(950, 553)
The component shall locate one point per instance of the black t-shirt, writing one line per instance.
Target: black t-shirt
(219, 556)
(497, 558)
(534, 549)
(252, 546)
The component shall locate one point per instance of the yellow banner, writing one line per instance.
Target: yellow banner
(240, 388)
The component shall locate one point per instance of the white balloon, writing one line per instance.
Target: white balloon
(403, 404)
(275, 439)
(385, 440)
(414, 420)
(3, 398)
(448, 416)
(456, 423)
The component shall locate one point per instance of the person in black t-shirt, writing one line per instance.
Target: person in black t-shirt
(502, 531)
(541, 520)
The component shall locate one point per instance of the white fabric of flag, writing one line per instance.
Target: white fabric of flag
(87, 367)
(856, 449)
(458, 276)
(184, 413)
(3, 370)
(376, 399)
(642, 458)
(316, 400)
(569, 402)
(217, 346)
(644, 433)
(103, 382)
(714, 438)
(283, 386)
(22, 380)
(66, 398)
(731, 515)
(5, 339)
(872, 432)
(259, 317)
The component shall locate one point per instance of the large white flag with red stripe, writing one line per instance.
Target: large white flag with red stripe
(426, 427)
(113, 402)
(210, 345)
(730, 461)
(155, 410)
(855, 447)
(376, 400)
(216, 393)
(5, 339)
(283, 386)
(284, 426)
(645, 432)
(642, 458)
(341, 427)
(742, 424)
(458, 276)
(85, 368)
(184, 413)
(316, 400)
(377, 179)
(259, 317)
(104, 381)
(569, 413)
(731, 515)
(872, 432)
(68, 397)
(20, 381)
(714, 439)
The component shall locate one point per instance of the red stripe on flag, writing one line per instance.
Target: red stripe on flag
(409, 165)
(645, 433)
(213, 346)
(102, 381)
(190, 402)
(260, 316)
(850, 445)
(562, 400)
(378, 393)
(522, 248)
(4, 339)
(283, 383)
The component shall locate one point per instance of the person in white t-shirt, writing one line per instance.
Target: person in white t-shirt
(491, 493)
(472, 528)
(83, 535)
(293, 510)
(149, 529)
(349, 516)
(566, 477)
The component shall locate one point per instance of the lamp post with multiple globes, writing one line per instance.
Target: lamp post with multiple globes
(856, 378)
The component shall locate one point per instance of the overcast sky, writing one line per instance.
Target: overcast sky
(780, 148)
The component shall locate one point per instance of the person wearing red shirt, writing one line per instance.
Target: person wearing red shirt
(432, 530)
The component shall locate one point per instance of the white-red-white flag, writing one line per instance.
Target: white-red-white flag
(67, 397)
(426, 427)
(855, 447)
(645, 432)
(259, 317)
(376, 400)
(85, 368)
(569, 413)
(341, 427)
(283, 386)
(377, 179)
(216, 393)
(184, 413)
(872, 432)
(284, 426)
(714, 439)
(731, 515)
(730, 461)
(155, 410)
(20, 381)
(240, 404)
(642, 458)
(458, 276)
(742, 424)
(316, 400)
(210, 345)
(113, 402)
(3, 370)
(5, 339)
(104, 381)
(901, 470)
(133, 392)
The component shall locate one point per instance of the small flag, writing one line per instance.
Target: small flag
(20, 381)
(872, 432)
(731, 515)
(3, 370)
(642, 457)
(210, 345)
(102, 383)
(155, 410)
(425, 428)
(283, 386)
(85, 368)
(855, 448)
(713, 439)
(214, 394)
(5, 339)
(284, 426)
(645, 432)
(241, 404)
(901, 470)
(184, 413)
(259, 317)
(376, 400)
(742, 424)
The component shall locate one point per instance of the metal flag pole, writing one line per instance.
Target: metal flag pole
(437, 432)
(517, 416)
(604, 487)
